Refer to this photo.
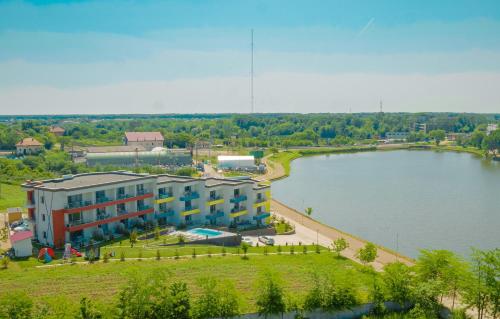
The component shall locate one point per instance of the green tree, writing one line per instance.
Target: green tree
(339, 245)
(133, 238)
(397, 279)
(157, 233)
(217, 300)
(270, 296)
(368, 253)
(437, 135)
(308, 211)
(244, 247)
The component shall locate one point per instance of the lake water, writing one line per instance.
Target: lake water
(404, 200)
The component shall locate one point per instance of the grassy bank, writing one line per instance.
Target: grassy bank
(459, 149)
(102, 281)
(11, 196)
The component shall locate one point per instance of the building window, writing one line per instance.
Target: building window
(212, 195)
(42, 199)
(43, 217)
(45, 235)
(236, 192)
(187, 189)
(212, 208)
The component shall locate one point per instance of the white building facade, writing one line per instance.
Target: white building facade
(78, 208)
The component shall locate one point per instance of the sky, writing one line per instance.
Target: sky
(92, 57)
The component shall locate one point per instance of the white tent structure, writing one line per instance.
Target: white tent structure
(236, 162)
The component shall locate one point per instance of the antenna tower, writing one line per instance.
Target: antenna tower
(251, 74)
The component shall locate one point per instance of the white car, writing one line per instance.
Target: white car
(247, 240)
(266, 240)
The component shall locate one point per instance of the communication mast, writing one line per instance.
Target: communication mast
(251, 74)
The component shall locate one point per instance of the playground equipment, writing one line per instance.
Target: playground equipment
(47, 254)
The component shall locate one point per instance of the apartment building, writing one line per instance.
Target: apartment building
(76, 208)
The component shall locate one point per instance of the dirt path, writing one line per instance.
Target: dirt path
(273, 170)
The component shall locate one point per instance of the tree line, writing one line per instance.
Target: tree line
(438, 274)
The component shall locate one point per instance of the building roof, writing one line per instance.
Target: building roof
(87, 180)
(143, 136)
(20, 235)
(111, 149)
(235, 158)
(29, 141)
(56, 129)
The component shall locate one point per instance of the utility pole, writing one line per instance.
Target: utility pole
(251, 75)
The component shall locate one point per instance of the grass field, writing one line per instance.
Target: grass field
(11, 196)
(101, 281)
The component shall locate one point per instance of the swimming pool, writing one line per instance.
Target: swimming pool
(205, 232)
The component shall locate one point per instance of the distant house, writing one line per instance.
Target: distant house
(28, 146)
(21, 243)
(57, 131)
(148, 140)
(396, 135)
(491, 128)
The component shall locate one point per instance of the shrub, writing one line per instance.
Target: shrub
(176, 254)
(5, 262)
(304, 249)
(105, 258)
(194, 253)
(158, 255)
(122, 256)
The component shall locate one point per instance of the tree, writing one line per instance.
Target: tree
(308, 211)
(270, 296)
(339, 245)
(133, 238)
(368, 253)
(244, 247)
(181, 303)
(437, 135)
(15, 305)
(157, 233)
(217, 300)
(397, 279)
(482, 287)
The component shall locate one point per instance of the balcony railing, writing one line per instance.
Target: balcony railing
(262, 216)
(236, 210)
(79, 204)
(164, 214)
(123, 196)
(215, 215)
(163, 196)
(238, 199)
(260, 200)
(103, 216)
(101, 200)
(189, 196)
(77, 222)
(122, 212)
(143, 207)
(141, 192)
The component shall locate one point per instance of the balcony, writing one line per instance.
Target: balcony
(215, 215)
(262, 216)
(235, 212)
(260, 202)
(103, 216)
(123, 196)
(238, 199)
(190, 211)
(78, 204)
(141, 192)
(143, 207)
(122, 212)
(214, 200)
(77, 222)
(189, 196)
(101, 200)
(164, 198)
(164, 214)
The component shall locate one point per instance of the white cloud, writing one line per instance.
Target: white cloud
(275, 92)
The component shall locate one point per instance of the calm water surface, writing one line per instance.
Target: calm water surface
(405, 200)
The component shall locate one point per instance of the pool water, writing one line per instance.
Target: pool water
(205, 232)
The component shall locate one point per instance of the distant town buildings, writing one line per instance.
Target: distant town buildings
(147, 140)
(396, 135)
(28, 146)
(57, 131)
(490, 128)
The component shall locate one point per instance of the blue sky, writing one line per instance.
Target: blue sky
(193, 56)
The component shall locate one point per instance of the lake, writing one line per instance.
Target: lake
(403, 200)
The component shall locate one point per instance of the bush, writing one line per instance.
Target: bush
(122, 256)
(158, 255)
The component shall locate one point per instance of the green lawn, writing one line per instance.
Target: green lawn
(101, 281)
(11, 196)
